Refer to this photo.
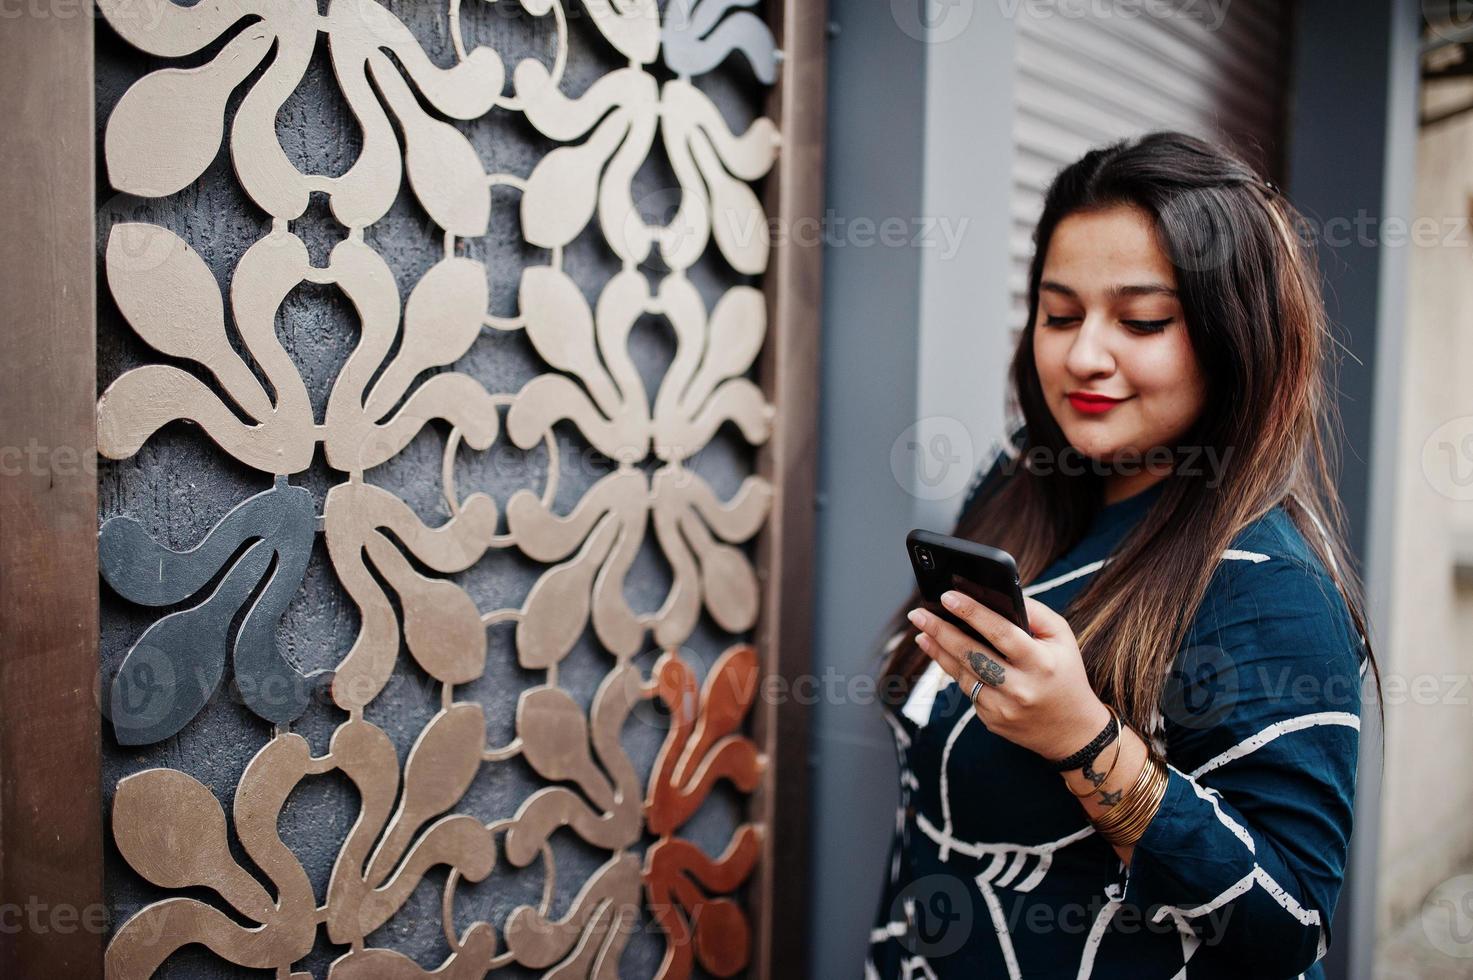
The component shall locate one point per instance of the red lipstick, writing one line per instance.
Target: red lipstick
(1092, 403)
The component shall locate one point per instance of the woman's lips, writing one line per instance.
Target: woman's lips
(1091, 404)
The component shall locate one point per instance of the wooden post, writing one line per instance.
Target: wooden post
(52, 920)
(789, 374)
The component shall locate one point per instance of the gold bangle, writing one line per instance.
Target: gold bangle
(1123, 824)
(1118, 814)
(1148, 812)
(1119, 744)
(1131, 805)
(1126, 822)
(1133, 832)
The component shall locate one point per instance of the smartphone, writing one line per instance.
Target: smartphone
(987, 574)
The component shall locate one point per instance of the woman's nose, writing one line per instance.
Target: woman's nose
(1089, 355)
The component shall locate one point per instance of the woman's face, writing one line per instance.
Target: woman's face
(1110, 326)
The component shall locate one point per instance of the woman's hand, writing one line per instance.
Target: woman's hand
(1036, 694)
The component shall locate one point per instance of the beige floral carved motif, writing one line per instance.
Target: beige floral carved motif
(173, 832)
(441, 626)
(168, 126)
(624, 109)
(553, 740)
(171, 300)
(703, 388)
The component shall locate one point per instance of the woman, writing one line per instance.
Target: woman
(1159, 781)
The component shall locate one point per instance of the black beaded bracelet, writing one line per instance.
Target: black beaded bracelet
(1094, 748)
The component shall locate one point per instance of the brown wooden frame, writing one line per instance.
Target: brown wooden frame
(51, 821)
(789, 373)
(50, 779)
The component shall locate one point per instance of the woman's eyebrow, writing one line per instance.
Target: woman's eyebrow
(1114, 292)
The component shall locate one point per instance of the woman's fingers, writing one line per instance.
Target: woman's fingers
(993, 627)
(949, 661)
(935, 651)
(991, 672)
(1043, 622)
(962, 654)
(945, 638)
(958, 643)
(963, 674)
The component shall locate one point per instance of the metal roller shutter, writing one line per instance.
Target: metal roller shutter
(1087, 80)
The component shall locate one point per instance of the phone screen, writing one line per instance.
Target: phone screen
(999, 602)
(993, 599)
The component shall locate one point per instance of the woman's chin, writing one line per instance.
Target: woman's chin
(1091, 440)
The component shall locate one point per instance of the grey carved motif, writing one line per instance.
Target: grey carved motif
(177, 663)
(700, 34)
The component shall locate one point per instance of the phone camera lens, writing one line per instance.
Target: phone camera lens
(923, 555)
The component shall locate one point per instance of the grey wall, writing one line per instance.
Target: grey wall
(1353, 137)
(919, 129)
(868, 388)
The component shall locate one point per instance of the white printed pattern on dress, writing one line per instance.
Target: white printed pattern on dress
(1277, 892)
(967, 716)
(915, 963)
(1213, 797)
(999, 922)
(1096, 935)
(948, 842)
(1307, 917)
(1189, 944)
(890, 930)
(908, 782)
(900, 735)
(1002, 852)
(908, 966)
(1259, 739)
(1258, 875)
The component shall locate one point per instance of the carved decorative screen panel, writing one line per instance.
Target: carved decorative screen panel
(431, 417)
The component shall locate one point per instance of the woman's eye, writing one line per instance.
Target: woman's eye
(1148, 326)
(1058, 321)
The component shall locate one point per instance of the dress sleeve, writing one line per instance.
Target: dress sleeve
(1261, 725)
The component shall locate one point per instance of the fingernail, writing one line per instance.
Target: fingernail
(917, 617)
(950, 599)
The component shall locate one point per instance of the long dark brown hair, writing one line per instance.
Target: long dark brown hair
(1248, 284)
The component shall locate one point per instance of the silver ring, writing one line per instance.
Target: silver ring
(975, 688)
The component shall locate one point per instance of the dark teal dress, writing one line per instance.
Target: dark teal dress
(995, 871)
